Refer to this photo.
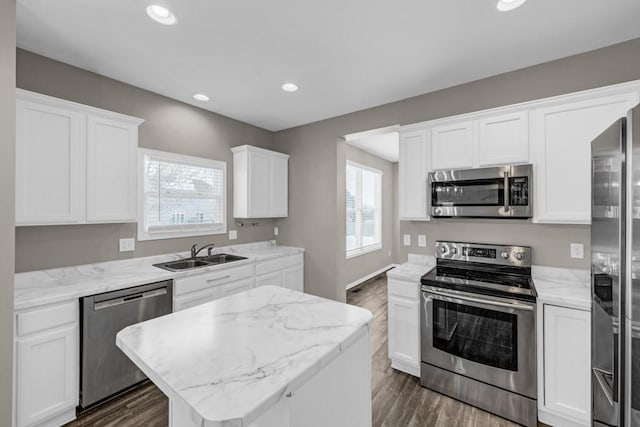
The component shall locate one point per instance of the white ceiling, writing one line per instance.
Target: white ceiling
(344, 55)
(384, 145)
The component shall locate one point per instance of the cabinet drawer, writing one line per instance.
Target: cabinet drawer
(270, 266)
(47, 318)
(404, 289)
(218, 277)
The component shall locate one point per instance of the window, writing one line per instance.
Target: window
(364, 213)
(180, 196)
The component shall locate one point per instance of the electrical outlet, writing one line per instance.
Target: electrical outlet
(276, 231)
(422, 240)
(389, 253)
(577, 250)
(406, 239)
(233, 234)
(128, 245)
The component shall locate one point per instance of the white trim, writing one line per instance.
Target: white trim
(204, 230)
(369, 276)
(243, 148)
(371, 132)
(352, 253)
(615, 89)
(75, 106)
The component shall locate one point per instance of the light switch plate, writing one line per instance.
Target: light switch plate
(233, 234)
(577, 250)
(128, 245)
(276, 231)
(406, 239)
(422, 240)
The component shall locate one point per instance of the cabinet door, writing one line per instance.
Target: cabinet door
(404, 331)
(47, 374)
(271, 279)
(192, 299)
(503, 139)
(49, 158)
(563, 135)
(259, 185)
(112, 149)
(452, 146)
(567, 362)
(279, 187)
(293, 278)
(412, 172)
(235, 287)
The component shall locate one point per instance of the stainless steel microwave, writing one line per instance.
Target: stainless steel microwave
(496, 192)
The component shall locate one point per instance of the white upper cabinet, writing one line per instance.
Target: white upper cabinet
(452, 146)
(74, 163)
(503, 139)
(260, 183)
(112, 149)
(563, 132)
(49, 173)
(412, 171)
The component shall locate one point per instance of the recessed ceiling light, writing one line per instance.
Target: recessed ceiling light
(201, 97)
(161, 14)
(289, 87)
(507, 5)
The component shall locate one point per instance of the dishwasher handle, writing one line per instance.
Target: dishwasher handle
(129, 298)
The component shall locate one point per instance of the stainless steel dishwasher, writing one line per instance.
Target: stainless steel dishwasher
(105, 370)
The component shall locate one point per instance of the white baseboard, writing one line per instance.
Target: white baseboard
(369, 276)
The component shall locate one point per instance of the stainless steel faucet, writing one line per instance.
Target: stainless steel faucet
(195, 252)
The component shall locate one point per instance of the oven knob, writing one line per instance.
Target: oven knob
(519, 256)
(505, 255)
(454, 250)
(443, 249)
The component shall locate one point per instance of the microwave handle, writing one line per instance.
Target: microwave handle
(506, 191)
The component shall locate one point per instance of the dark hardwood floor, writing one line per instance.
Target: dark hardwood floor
(398, 399)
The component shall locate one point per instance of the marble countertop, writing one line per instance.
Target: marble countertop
(41, 287)
(232, 359)
(563, 286)
(413, 269)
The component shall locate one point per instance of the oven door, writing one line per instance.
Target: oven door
(486, 338)
(487, 192)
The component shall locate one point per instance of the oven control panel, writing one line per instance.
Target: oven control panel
(489, 254)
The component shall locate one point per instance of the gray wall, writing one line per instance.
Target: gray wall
(169, 126)
(7, 205)
(314, 181)
(360, 266)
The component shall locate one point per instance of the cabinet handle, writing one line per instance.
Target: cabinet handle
(218, 278)
(506, 191)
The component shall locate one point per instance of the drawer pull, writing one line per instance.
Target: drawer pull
(218, 278)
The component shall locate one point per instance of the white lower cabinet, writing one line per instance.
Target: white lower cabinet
(404, 326)
(287, 272)
(564, 360)
(47, 365)
(195, 290)
(338, 394)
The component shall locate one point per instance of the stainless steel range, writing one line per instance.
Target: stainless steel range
(478, 323)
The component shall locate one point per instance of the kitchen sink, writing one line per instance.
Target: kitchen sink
(191, 263)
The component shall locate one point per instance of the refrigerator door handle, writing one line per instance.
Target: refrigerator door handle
(606, 388)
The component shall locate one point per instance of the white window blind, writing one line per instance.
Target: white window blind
(364, 209)
(182, 196)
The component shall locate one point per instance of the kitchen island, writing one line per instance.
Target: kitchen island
(265, 357)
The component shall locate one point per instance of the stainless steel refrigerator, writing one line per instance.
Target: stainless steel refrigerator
(615, 273)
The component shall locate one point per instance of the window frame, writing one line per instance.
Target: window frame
(361, 250)
(189, 231)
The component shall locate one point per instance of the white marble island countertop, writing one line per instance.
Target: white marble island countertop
(232, 359)
(36, 288)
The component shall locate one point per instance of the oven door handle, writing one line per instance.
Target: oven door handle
(461, 298)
